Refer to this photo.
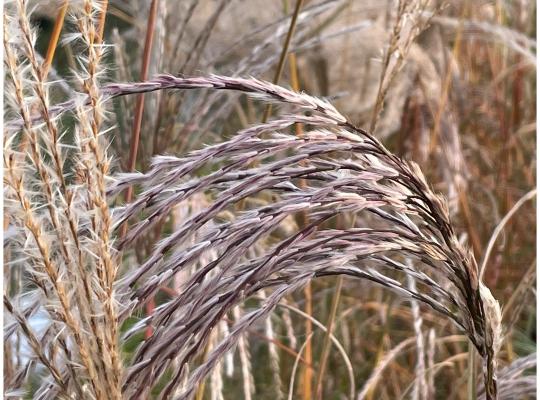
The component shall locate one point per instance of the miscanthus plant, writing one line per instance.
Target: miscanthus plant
(282, 206)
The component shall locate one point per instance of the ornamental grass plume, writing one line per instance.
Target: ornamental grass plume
(344, 170)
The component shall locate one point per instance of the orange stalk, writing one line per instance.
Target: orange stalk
(139, 107)
(284, 51)
(55, 36)
(308, 371)
(137, 123)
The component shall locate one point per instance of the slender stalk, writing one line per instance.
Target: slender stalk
(326, 345)
(139, 107)
(295, 84)
(137, 123)
(330, 327)
(530, 195)
(53, 42)
(284, 51)
(381, 91)
(308, 371)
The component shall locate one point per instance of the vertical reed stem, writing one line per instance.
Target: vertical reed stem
(284, 51)
(139, 107)
(53, 42)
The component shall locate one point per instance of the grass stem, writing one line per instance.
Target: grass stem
(139, 107)
(284, 51)
(55, 36)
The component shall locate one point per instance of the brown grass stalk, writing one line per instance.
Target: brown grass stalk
(53, 42)
(139, 107)
(283, 55)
